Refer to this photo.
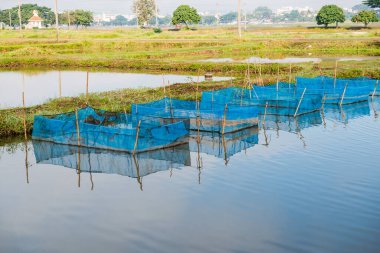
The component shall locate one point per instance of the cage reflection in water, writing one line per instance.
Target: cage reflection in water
(112, 162)
(346, 112)
(223, 146)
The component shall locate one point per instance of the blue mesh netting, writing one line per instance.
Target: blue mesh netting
(224, 146)
(345, 91)
(203, 116)
(101, 129)
(112, 162)
(280, 100)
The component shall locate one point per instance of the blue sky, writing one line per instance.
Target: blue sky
(167, 6)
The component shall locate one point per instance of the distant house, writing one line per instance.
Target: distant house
(35, 21)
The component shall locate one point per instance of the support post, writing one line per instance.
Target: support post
(87, 80)
(224, 119)
(335, 72)
(278, 76)
(77, 127)
(290, 74)
(299, 103)
(374, 90)
(344, 93)
(137, 137)
(25, 138)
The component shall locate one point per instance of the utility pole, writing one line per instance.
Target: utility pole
(155, 4)
(68, 19)
(19, 14)
(10, 19)
(239, 18)
(56, 19)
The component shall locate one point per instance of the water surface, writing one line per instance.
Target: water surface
(303, 185)
(39, 86)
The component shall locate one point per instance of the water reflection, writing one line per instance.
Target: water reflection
(88, 160)
(40, 86)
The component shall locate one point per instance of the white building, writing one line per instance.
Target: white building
(35, 21)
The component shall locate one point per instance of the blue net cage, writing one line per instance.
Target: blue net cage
(109, 130)
(203, 116)
(339, 91)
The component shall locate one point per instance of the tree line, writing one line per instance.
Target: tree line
(74, 17)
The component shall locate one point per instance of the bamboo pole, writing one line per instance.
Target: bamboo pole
(344, 93)
(59, 84)
(87, 81)
(139, 180)
(265, 115)
(290, 74)
(137, 137)
(164, 84)
(224, 119)
(10, 19)
(335, 72)
(25, 138)
(278, 77)
(77, 128)
(299, 103)
(374, 90)
(323, 111)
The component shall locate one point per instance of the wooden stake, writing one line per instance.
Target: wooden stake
(163, 82)
(137, 137)
(299, 103)
(224, 119)
(278, 76)
(265, 114)
(335, 72)
(87, 79)
(77, 127)
(59, 84)
(344, 93)
(290, 74)
(374, 90)
(24, 116)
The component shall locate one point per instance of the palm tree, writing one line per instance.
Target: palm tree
(239, 18)
(19, 13)
(56, 19)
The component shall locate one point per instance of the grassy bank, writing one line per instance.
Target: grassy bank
(183, 50)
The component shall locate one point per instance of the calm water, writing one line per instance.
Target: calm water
(43, 85)
(292, 59)
(298, 186)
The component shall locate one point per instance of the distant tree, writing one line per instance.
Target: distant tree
(361, 7)
(26, 13)
(120, 21)
(144, 10)
(209, 20)
(167, 20)
(229, 18)
(185, 14)
(65, 16)
(82, 18)
(365, 17)
(372, 3)
(262, 12)
(330, 14)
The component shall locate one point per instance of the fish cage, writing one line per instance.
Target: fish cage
(223, 146)
(91, 160)
(340, 91)
(94, 128)
(275, 100)
(204, 117)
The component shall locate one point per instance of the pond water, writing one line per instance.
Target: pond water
(309, 187)
(40, 86)
(291, 59)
